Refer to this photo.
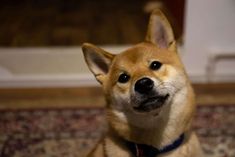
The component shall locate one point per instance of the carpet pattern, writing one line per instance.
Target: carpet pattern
(73, 132)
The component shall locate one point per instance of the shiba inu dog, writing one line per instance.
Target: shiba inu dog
(150, 102)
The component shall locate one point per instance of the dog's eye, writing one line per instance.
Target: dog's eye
(123, 78)
(155, 65)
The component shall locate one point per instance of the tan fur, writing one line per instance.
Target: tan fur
(161, 126)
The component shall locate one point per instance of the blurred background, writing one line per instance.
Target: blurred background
(51, 104)
(60, 23)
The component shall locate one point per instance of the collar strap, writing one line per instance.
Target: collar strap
(142, 150)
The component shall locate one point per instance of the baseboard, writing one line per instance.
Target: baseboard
(48, 81)
(202, 78)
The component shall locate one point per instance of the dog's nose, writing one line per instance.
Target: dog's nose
(144, 85)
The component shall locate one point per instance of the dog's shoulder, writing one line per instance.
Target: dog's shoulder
(98, 150)
(110, 146)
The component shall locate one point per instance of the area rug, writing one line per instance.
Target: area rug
(73, 132)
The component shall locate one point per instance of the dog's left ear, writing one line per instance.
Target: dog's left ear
(160, 31)
(98, 60)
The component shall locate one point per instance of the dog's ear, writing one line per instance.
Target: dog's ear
(160, 31)
(97, 60)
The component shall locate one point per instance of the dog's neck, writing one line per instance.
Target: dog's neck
(165, 128)
(140, 150)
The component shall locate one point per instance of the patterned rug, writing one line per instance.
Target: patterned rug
(73, 132)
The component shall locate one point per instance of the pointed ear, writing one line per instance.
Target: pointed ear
(160, 31)
(97, 60)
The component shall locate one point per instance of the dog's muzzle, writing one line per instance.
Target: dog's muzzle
(147, 98)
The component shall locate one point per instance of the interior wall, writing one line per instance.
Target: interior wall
(209, 29)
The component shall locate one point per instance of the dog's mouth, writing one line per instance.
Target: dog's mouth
(151, 103)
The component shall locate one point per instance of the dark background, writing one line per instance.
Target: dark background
(28, 23)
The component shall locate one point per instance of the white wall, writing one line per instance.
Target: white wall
(210, 28)
(44, 67)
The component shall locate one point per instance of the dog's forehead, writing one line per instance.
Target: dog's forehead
(137, 53)
(145, 51)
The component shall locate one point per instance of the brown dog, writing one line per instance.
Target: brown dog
(150, 102)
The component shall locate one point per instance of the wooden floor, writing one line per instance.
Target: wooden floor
(51, 97)
(210, 94)
(215, 94)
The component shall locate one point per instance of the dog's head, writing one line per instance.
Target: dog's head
(145, 78)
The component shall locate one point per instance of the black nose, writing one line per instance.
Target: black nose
(144, 85)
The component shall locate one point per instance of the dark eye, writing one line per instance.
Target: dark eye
(123, 78)
(155, 65)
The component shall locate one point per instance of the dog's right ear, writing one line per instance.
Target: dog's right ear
(97, 60)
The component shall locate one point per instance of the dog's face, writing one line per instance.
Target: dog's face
(143, 79)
